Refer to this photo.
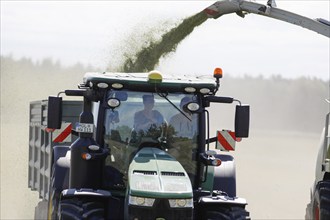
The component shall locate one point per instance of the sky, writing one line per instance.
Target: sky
(97, 33)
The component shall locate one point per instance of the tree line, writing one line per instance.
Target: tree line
(276, 103)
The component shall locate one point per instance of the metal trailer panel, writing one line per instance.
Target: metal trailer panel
(40, 143)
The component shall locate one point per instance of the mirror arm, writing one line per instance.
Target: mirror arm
(236, 100)
(211, 140)
(59, 94)
(80, 92)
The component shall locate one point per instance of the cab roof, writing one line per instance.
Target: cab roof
(140, 81)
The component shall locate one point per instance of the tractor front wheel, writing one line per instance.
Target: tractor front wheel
(322, 201)
(81, 208)
(228, 213)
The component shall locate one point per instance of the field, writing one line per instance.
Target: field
(275, 171)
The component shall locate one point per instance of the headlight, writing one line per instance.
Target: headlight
(205, 90)
(117, 86)
(102, 85)
(113, 102)
(141, 201)
(190, 89)
(181, 203)
(193, 106)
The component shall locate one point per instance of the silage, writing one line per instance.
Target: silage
(148, 56)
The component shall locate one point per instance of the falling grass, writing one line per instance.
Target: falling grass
(148, 57)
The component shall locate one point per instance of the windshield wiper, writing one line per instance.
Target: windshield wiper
(164, 95)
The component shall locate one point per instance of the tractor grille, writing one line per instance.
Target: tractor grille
(145, 172)
(164, 173)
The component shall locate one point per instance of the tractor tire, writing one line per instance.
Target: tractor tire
(54, 196)
(322, 201)
(227, 213)
(81, 208)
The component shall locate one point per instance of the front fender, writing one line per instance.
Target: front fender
(225, 175)
(61, 167)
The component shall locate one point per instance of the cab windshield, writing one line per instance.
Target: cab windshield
(148, 120)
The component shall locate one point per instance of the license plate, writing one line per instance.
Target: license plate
(85, 128)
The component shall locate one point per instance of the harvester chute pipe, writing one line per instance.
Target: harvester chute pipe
(242, 7)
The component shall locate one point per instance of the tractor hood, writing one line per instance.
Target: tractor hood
(154, 173)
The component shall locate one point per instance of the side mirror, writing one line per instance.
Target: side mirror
(54, 113)
(242, 121)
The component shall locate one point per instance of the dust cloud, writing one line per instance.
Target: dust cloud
(274, 167)
(23, 82)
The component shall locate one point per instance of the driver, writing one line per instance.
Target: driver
(147, 117)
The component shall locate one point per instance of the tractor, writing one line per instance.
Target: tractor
(137, 146)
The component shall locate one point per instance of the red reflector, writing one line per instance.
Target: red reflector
(86, 156)
(49, 130)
